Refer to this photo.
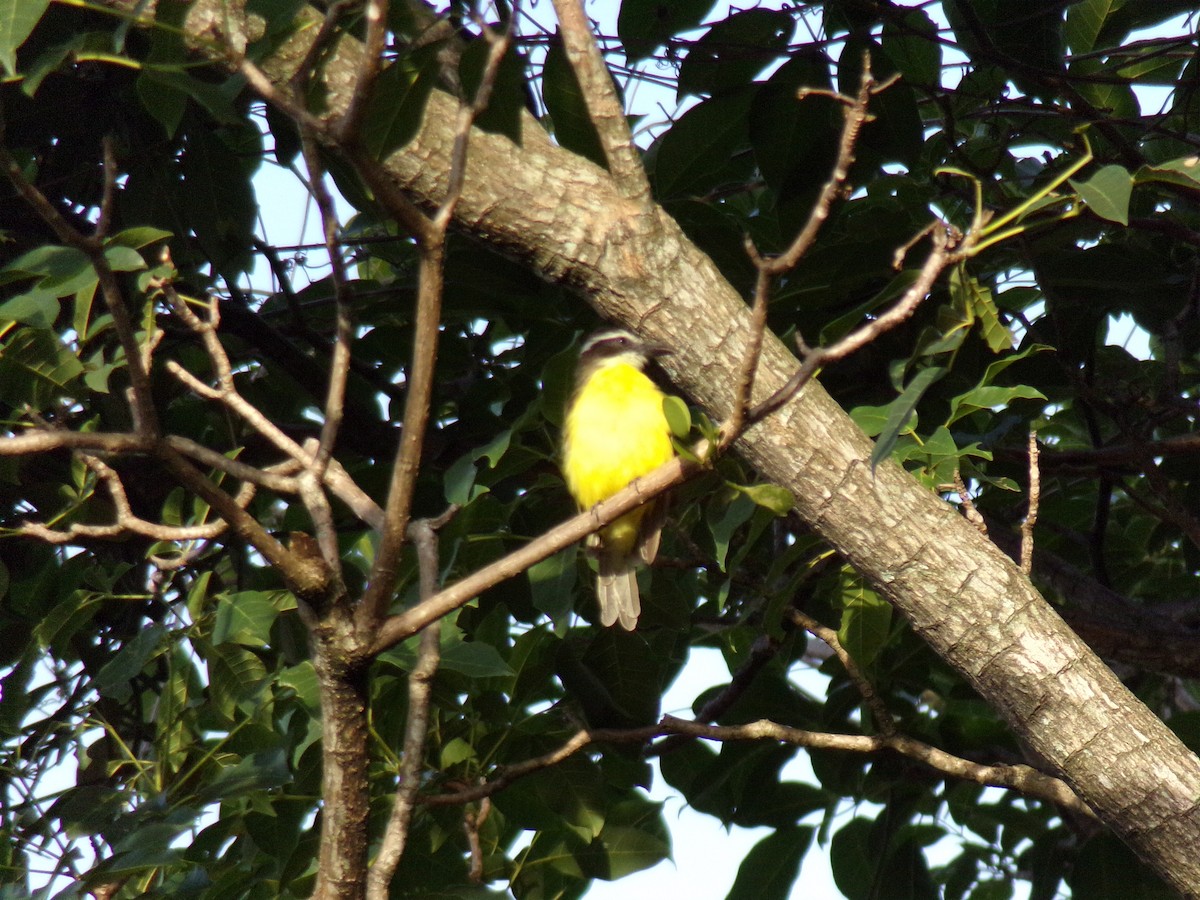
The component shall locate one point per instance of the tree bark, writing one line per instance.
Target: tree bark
(564, 218)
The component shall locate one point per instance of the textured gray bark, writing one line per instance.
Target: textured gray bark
(562, 216)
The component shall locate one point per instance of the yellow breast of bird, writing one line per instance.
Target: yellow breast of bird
(615, 432)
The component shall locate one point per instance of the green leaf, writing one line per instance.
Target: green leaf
(866, 621)
(235, 677)
(66, 618)
(1085, 21)
(507, 101)
(552, 583)
(138, 237)
(771, 867)
(1107, 193)
(901, 412)
(725, 519)
(1106, 869)
(795, 139)
(910, 40)
(36, 308)
(990, 397)
(573, 128)
(627, 849)
(475, 660)
(245, 618)
(257, 772)
(34, 368)
(697, 153)
(456, 751)
(852, 859)
(643, 25)
(124, 259)
(1184, 171)
(966, 289)
(17, 21)
(62, 268)
(679, 417)
(777, 499)
(397, 104)
(734, 50)
(115, 677)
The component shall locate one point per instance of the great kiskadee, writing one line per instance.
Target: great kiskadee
(616, 431)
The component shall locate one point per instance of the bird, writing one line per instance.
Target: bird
(615, 430)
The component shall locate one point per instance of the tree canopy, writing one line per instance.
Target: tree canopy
(291, 590)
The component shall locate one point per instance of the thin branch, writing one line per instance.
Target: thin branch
(107, 197)
(855, 115)
(509, 774)
(603, 105)
(948, 247)
(298, 83)
(339, 364)
(226, 391)
(420, 689)
(419, 383)
(1035, 495)
(265, 88)
(44, 440)
(307, 579)
(1022, 778)
(126, 522)
(472, 823)
(141, 403)
(968, 505)
(883, 719)
(498, 44)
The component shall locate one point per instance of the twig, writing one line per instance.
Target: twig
(104, 219)
(600, 98)
(420, 687)
(1022, 778)
(472, 822)
(298, 83)
(339, 365)
(141, 401)
(761, 653)
(883, 719)
(1035, 494)
(948, 248)
(126, 522)
(968, 505)
(855, 115)
(419, 383)
(498, 44)
(226, 390)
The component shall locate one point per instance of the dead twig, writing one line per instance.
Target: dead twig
(432, 248)
(420, 688)
(1035, 495)
(968, 505)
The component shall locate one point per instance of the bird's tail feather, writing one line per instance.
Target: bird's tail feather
(617, 591)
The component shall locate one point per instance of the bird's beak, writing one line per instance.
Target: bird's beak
(654, 351)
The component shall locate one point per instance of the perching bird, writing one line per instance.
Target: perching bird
(616, 431)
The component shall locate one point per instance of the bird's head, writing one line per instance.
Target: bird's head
(615, 346)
